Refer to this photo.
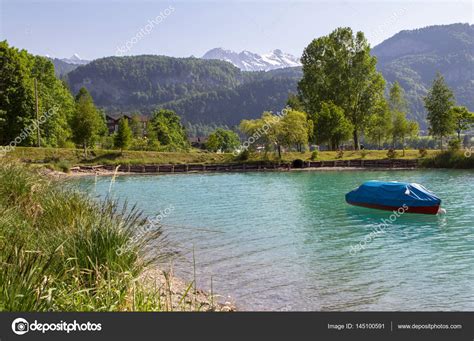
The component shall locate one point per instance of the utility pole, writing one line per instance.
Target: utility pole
(37, 115)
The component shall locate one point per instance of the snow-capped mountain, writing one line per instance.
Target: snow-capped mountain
(75, 59)
(249, 61)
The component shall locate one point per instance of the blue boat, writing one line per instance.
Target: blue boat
(393, 196)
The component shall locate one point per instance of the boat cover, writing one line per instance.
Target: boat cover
(394, 194)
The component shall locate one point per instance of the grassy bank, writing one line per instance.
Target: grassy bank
(450, 159)
(58, 251)
(62, 158)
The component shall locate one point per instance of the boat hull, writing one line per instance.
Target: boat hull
(411, 209)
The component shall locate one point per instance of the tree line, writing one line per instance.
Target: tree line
(75, 120)
(342, 96)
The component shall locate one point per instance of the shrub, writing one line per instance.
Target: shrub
(454, 144)
(391, 153)
(449, 159)
(314, 155)
(340, 154)
(64, 166)
(363, 154)
(244, 155)
(422, 152)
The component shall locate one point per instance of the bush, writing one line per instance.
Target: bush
(363, 154)
(64, 166)
(423, 152)
(449, 159)
(454, 144)
(314, 155)
(340, 154)
(244, 155)
(392, 153)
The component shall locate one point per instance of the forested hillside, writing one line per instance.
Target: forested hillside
(228, 107)
(213, 91)
(413, 57)
(143, 81)
(205, 91)
(19, 70)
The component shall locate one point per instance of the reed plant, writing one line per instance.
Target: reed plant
(62, 251)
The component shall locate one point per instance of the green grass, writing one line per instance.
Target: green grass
(54, 156)
(63, 159)
(450, 159)
(58, 249)
(347, 155)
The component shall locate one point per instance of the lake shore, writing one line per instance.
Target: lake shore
(87, 255)
(99, 171)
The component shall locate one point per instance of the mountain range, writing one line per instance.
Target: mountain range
(224, 87)
(413, 57)
(249, 61)
(63, 66)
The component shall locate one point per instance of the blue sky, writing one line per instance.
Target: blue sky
(98, 28)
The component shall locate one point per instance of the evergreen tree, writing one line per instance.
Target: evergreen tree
(438, 103)
(123, 137)
(136, 125)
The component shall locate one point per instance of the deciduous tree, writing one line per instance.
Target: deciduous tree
(340, 69)
(439, 102)
(331, 126)
(87, 123)
(463, 119)
(223, 140)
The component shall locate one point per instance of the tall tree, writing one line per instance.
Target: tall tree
(396, 99)
(331, 126)
(380, 125)
(123, 137)
(136, 125)
(463, 119)
(340, 69)
(169, 130)
(438, 103)
(294, 102)
(223, 140)
(401, 127)
(263, 131)
(293, 129)
(87, 123)
(18, 70)
(16, 94)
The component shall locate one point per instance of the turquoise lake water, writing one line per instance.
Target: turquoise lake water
(282, 240)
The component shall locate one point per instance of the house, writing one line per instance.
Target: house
(198, 141)
(113, 121)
